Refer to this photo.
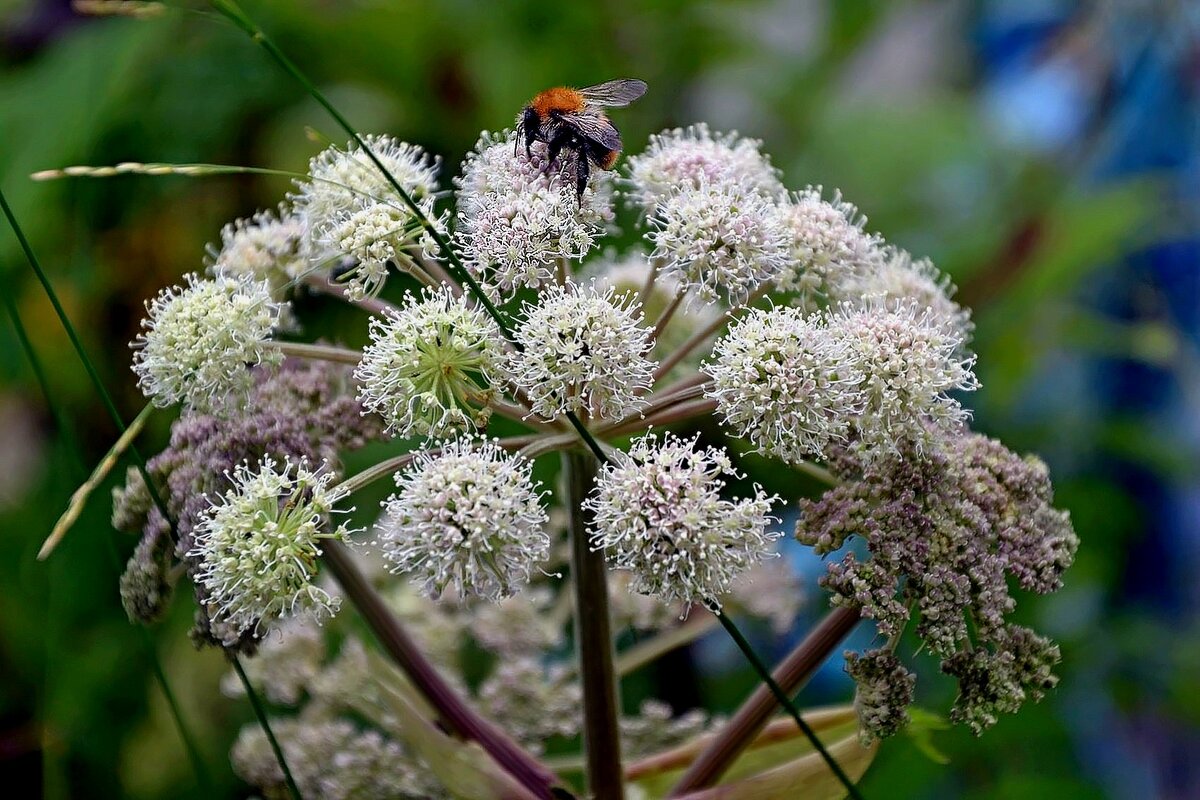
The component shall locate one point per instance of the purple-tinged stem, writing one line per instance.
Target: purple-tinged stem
(593, 639)
(791, 674)
(324, 285)
(665, 317)
(666, 416)
(458, 717)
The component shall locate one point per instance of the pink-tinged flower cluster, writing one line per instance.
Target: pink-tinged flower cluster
(797, 385)
(786, 382)
(696, 156)
(349, 207)
(517, 218)
(719, 240)
(658, 513)
(584, 350)
(468, 519)
(829, 247)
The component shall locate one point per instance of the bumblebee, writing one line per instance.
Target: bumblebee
(572, 120)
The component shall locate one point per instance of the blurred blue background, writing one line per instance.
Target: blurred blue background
(1045, 154)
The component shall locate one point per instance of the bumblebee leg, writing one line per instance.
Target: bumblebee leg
(552, 150)
(554, 147)
(582, 169)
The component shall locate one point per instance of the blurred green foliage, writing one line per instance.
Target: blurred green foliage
(1017, 234)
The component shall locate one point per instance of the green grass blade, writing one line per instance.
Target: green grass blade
(34, 264)
(67, 433)
(261, 714)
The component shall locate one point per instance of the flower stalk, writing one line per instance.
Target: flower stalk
(593, 638)
(454, 712)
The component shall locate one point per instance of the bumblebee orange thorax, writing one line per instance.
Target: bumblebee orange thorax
(560, 99)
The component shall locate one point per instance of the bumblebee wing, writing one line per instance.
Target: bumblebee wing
(596, 127)
(620, 92)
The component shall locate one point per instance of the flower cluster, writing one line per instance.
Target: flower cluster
(829, 247)
(657, 728)
(947, 528)
(516, 625)
(286, 664)
(899, 280)
(910, 362)
(266, 247)
(787, 383)
(148, 581)
(658, 513)
(469, 518)
(519, 217)
(330, 759)
(300, 412)
(348, 207)
(428, 365)
(258, 544)
(534, 703)
(695, 156)
(719, 239)
(854, 356)
(797, 385)
(582, 349)
(885, 691)
(199, 341)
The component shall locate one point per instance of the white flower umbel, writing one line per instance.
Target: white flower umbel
(517, 218)
(199, 340)
(628, 274)
(658, 513)
(720, 239)
(468, 519)
(376, 235)
(784, 382)
(583, 350)
(909, 361)
(258, 544)
(340, 179)
(829, 246)
(350, 208)
(428, 365)
(264, 247)
(695, 155)
(901, 279)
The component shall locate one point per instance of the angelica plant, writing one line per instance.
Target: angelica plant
(500, 337)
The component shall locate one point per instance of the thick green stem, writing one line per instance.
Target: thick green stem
(458, 717)
(593, 639)
(791, 674)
